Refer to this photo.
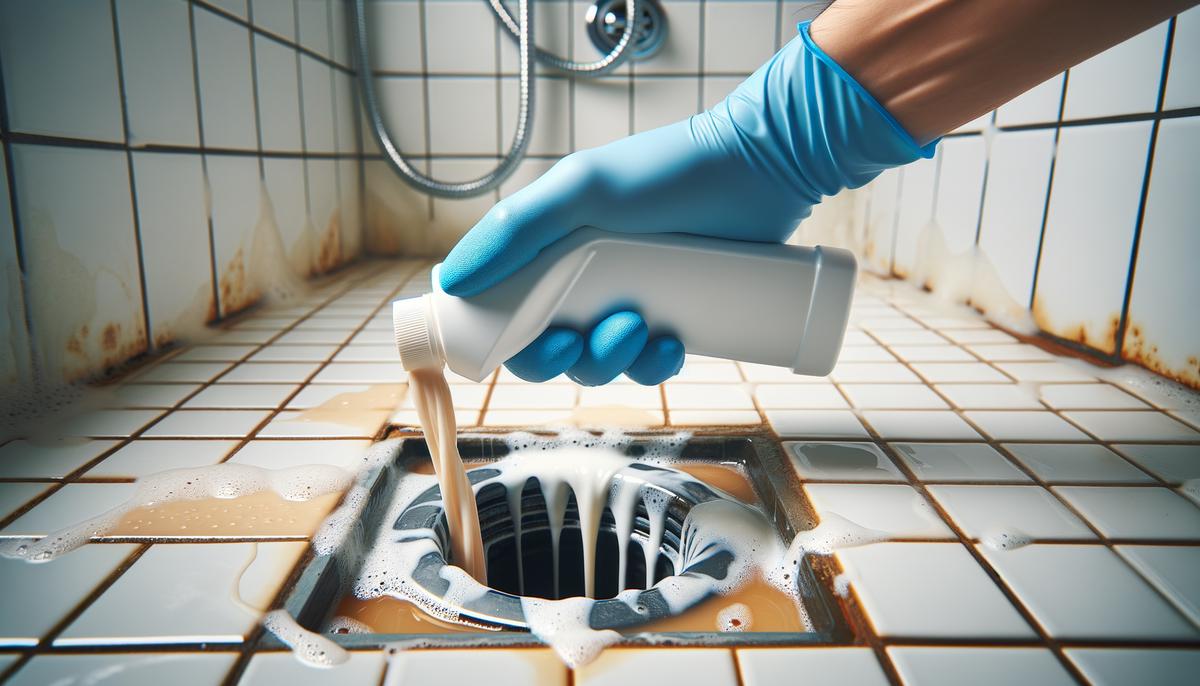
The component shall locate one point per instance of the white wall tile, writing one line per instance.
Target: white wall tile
(960, 191)
(528, 171)
(313, 18)
(394, 33)
(917, 185)
(84, 289)
(175, 244)
(1164, 330)
(402, 101)
(658, 101)
(318, 105)
(1136, 64)
(452, 218)
(716, 88)
(1038, 105)
(323, 214)
(601, 111)
(350, 199)
(680, 52)
(881, 221)
(134, 669)
(156, 57)
(284, 179)
(460, 37)
(1183, 78)
(553, 27)
(551, 133)
(738, 36)
(226, 90)
(234, 184)
(462, 115)
(236, 7)
(276, 16)
(1013, 206)
(345, 111)
(1089, 231)
(278, 96)
(60, 69)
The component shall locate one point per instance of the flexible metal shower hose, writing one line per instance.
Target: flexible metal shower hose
(522, 30)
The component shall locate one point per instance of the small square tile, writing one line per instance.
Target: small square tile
(215, 353)
(639, 397)
(1046, 578)
(929, 590)
(151, 395)
(14, 495)
(973, 336)
(231, 337)
(816, 424)
(919, 425)
(367, 353)
(361, 372)
(707, 397)
(893, 397)
(295, 353)
(872, 372)
(1089, 397)
(69, 505)
(270, 372)
(48, 459)
(1121, 666)
(763, 373)
(809, 396)
(991, 666)
(659, 101)
(182, 372)
(1135, 512)
(906, 337)
(240, 396)
(207, 424)
(865, 353)
(714, 417)
(1010, 352)
(144, 457)
(708, 372)
(957, 462)
(458, 666)
(270, 669)
(292, 424)
(820, 666)
(1066, 462)
(898, 510)
(1019, 425)
(532, 397)
(990, 396)
(841, 462)
(224, 69)
(110, 423)
(694, 666)
(738, 36)
(347, 454)
(464, 418)
(132, 669)
(1044, 371)
(959, 372)
(1132, 426)
(370, 396)
(1137, 60)
(985, 511)
(1170, 569)
(932, 353)
(183, 593)
(1172, 463)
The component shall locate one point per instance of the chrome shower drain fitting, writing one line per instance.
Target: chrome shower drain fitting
(606, 23)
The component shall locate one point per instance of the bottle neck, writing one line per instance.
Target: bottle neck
(417, 338)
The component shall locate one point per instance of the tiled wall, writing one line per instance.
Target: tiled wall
(447, 80)
(1073, 207)
(165, 162)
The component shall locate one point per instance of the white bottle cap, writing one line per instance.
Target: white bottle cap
(417, 340)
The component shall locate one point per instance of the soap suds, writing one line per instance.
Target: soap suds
(1005, 539)
(312, 649)
(734, 617)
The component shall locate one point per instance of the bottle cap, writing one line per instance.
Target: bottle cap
(416, 338)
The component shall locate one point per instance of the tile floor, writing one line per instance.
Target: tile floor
(935, 427)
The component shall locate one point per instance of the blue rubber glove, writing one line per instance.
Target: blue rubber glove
(751, 168)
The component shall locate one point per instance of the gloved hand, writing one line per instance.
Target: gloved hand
(751, 168)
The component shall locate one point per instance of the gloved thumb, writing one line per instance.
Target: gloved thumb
(517, 228)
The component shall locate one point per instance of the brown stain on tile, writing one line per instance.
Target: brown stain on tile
(237, 291)
(329, 253)
(108, 339)
(1104, 341)
(1140, 350)
(258, 514)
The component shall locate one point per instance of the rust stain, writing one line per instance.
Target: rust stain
(329, 254)
(108, 339)
(74, 346)
(1140, 351)
(1104, 340)
(237, 293)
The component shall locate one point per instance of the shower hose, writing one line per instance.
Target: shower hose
(521, 31)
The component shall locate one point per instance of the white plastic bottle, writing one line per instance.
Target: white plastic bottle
(782, 305)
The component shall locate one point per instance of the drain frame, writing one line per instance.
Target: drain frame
(325, 580)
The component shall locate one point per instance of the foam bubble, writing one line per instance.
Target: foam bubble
(735, 617)
(347, 625)
(563, 625)
(310, 648)
(1005, 539)
(841, 585)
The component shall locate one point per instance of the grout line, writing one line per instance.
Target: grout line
(258, 137)
(1037, 261)
(225, 14)
(212, 241)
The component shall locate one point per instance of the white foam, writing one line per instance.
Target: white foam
(1005, 539)
(310, 648)
(347, 625)
(833, 533)
(563, 625)
(841, 585)
(735, 617)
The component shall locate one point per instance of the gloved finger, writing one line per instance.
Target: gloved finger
(549, 355)
(609, 349)
(661, 359)
(516, 229)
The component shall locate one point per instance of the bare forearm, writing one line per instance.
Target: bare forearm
(936, 64)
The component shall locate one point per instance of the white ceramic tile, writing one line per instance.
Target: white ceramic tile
(270, 372)
(622, 395)
(181, 593)
(1162, 331)
(799, 397)
(314, 337)
(874, 353)
(234, 185)
(109, 423)
(1066, 462)
(14, 495)
(23, 459)
(1093, 210)
(968, 336)
(1042, 372)
(761, 373)
(156, 57)
(1011, 352)
(402, 100)
(1136, 63)
(1135, 512)
(529, 170)
(983, 512)
(714, 417)
(881, 222)
(957, 462)
(371, 396)
(214, 353)
(278, 95)
(841, 461)
(990, 396)
(601, 111)
(296, 353)
(658, 101)
(1174, 463)
(452, 218)
(291, 424)
(1132, 426)
(708, 372)
(896, 509)
(150, 395)
(240, 396)
(502, 667)
(144, 457)
(1038, 105)
(960, 192)
(80, 256)
(1046, 578)
(268, 669)
(347, 454)
(1183, 80)
(61, 69)
(553, 25)
(276, 16)
(1117, 666)
(236, 7)
(69, 505)
(930, 353)
(872, 372)
(680, 52)
(1021, 425)
(991, 666)
(1172, 570)
(820, 666)
(929, 590)
(230, 337)
(527, 397)
(738, 36)
(919, 425)
(816, 424)
(182, 372)
(131, 669)
(912, 337)
(36, 597)
(207, 424)
(175, 243)
(707, 397)
(313, 19)
(917, 184)
(361, 372)
(552, 135)
(893, 397)
(460, 38)
(716, 88)
(696, 666)
(394, 32)
(1089, 397)
(456, 106)
(226, 90)
(316, 88)
(958, 372)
